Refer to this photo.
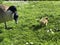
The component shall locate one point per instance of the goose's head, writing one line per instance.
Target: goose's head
(14, 11)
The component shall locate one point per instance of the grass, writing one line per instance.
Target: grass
(24, 33)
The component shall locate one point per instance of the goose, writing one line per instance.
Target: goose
(8, 13)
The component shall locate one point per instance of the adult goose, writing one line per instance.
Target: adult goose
(8, 13)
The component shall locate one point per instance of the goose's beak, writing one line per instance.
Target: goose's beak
(16, 18)
(16, 21)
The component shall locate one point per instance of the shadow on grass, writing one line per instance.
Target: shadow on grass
(1, 39)
(36, 27)
(1, 27)
(1, 31)
(8, 28)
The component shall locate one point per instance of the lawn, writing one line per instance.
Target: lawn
(24, 33)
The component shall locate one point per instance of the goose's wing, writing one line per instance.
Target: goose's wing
(2, 13)
(4, 7)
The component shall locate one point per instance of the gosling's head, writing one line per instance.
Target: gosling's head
(46, 18)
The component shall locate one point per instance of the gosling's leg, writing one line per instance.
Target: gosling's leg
(5, 25)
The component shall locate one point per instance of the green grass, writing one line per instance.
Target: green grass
(23, 32)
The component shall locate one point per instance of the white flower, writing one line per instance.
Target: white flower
(27, 43)
(31, 43)
(47, 30)
(50, 29)
(52, 32)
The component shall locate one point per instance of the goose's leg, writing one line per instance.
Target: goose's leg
(5, 25)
